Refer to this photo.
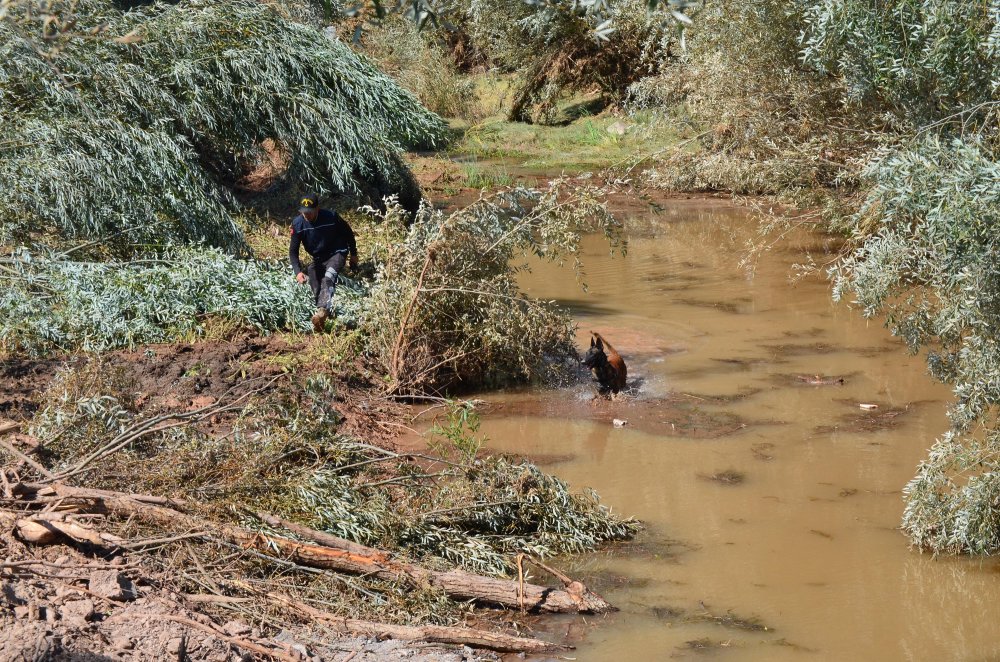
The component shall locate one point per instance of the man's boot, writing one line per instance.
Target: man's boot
(319, 320)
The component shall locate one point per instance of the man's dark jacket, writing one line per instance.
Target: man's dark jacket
(329, 234)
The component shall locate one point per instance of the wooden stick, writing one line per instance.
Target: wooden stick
(435, 634)
(321, 537)
(235, 641)
(359, 559)
(24, 458)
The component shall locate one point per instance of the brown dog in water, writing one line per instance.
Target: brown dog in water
(606, 364)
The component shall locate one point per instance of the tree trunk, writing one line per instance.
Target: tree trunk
(350, 558)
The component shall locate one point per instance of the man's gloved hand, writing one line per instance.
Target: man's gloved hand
(300, 277)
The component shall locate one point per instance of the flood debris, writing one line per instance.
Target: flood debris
(744, 393)
(763, 451)
(737, 306)
(820, 380)
(795, 349)
(258, 502)
(725, 477)
(667, 613)
(869, 417)
(728, 620)
(704, 645)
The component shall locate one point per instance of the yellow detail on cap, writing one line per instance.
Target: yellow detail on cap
(306, 202)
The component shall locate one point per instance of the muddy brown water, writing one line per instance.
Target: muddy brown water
(772, 499)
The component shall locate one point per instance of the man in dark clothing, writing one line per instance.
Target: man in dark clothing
(329, 240)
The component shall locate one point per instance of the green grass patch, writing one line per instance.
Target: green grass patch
(585, 136)
(486, 178)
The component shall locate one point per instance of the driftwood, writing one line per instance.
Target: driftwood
(435, 634)
(48, 528)
(350, 558)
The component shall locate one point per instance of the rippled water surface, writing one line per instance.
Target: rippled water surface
(772, 502)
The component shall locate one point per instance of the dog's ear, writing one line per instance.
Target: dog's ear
(591, 341)
(600, 344)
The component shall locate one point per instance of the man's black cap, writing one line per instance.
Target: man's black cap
(308, 203)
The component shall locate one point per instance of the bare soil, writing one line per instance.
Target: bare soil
(64, 615)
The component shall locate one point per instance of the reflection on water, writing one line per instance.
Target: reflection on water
(800, 557)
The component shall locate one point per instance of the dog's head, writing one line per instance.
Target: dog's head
(595, 356)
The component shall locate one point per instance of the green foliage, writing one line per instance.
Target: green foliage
(52, 303)
(931, 262)
(445, 310)
(137, 137)
(419, 64)
(918, 60)
(951, 504)
(553, 46)
(486, 178)
(929, 259)
(286, 456)
(458, 435)
(760, 120)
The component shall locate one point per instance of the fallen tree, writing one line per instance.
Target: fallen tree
(192, 96)
(253, 493)
(332, 554)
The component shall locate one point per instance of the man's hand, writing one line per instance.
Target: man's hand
(300, 277)
(354, 262)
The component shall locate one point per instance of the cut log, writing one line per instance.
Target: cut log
(321, 537)
(357, 559)
(435, 634)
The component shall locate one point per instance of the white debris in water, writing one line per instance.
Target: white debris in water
(619, 422)
(865, 406)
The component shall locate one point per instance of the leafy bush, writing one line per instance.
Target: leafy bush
(59, 304)
(445, 309)
(762, 121)
(928, 259)
(917, 60)
(554, 47)
(137, 136)
(420, 65)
